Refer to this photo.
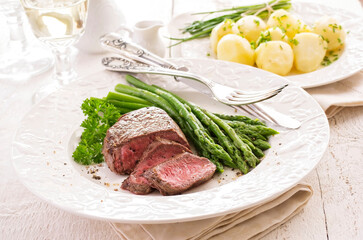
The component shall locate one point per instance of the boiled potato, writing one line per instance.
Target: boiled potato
(309, 51)
(331, 31)
(219, 31)
(275, 56)
(289, 23)
(250, 27)
(235, 48)
(272, 34)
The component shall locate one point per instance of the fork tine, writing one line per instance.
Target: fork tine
(246, 96)
(259, 96)
(249, 100)
(239, 94)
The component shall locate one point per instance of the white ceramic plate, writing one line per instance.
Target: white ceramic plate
(349, 63)
(48, 134)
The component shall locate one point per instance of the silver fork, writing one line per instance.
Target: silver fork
(123, 46)
(221, 93)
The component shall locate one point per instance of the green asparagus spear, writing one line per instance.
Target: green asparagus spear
(263, 130)
(258, 143)
(250, 133)
(246, 150)
(263, 145)
(150, 97)
(128, 105)
(240, 118)
(126, 98)
(256, 151)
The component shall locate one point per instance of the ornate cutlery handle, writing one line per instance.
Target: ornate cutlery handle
(126, 65)
(122, 45)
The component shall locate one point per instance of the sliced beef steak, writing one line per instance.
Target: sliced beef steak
(181, 173)
(159, 151)
(127, 139)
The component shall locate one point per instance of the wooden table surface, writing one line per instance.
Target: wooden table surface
(334, 212)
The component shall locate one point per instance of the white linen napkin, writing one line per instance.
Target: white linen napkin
(251, 223)
(345, 93)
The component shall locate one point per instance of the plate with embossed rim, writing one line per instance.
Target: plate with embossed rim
(349, 62)
(47, 135)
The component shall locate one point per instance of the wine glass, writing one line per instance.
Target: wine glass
(20, 57)
(58, 24)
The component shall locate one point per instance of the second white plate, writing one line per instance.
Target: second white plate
(349, 63)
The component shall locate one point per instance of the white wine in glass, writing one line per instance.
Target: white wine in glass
(58, 24)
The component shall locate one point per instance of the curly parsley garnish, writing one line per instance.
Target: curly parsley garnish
(101, 115)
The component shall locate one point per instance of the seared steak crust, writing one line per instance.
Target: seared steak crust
(181, 173)
(157, 152)
(127, 139)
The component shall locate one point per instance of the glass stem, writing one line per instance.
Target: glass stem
(64, 71)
